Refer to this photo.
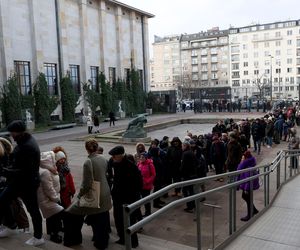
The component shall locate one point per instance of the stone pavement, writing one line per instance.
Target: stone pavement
(176, 226)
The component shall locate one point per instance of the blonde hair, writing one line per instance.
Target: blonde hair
(5, 147)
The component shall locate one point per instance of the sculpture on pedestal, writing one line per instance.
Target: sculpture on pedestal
(135, 128)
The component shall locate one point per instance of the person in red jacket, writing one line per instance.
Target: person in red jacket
(67, 187)
(147, 169)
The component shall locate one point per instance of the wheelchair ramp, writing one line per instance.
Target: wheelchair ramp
(278, 227)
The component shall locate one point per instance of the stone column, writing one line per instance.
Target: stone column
(119, 36)
(37, 63)
(63, 36)
(146, 55)
(6, 60)
(102, 34)
(83, 40)
(133, 38)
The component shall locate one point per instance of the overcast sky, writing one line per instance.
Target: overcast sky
(192, 16)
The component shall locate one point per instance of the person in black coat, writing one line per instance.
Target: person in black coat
(257, 135)
(188, 171)
(127, 184)
(174, 155)
(23, 181)
(112, 118)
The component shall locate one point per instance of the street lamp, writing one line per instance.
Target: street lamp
(271, 90)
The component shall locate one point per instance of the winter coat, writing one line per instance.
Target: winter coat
(48, 192)
(189, 164)
(94, 168)
(67, 187)
(148, 173)
(257, 131)
(26, 164)
(127, 181)
(248, 163)
(270, 129)
(174, 155)
(234, 155)
(218, 152)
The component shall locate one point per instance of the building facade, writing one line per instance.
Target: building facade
(79, 37)
(166, 65)
(204, 60)
(265, 60)
(259, 60)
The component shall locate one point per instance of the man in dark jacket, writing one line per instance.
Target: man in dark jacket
(270, 132)
(127, 184)
(188, 172)
(174, 155)
(23, 182)
(257, 134)
(234, 152)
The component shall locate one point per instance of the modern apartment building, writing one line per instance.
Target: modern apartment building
(204, 60)
(166, 65)
(249, 60)
(265, 59)
(82, 37)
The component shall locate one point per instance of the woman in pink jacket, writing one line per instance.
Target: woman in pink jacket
(147, 169)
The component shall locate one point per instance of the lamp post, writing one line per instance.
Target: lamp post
(271, 90)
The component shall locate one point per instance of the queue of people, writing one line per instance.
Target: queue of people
(43, 182)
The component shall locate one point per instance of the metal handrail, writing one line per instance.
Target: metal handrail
(133, 206)
(267, 170)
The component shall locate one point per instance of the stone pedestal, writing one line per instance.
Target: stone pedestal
(149, 111)
(135, 140)
(121, 114)
(30, 125)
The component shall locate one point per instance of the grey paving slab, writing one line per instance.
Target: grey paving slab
(279, 227)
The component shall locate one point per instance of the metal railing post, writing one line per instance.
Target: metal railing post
(212, 221)
(278, 176)
(268, 186)
(285, 161)
(251, 195)
(234, 209)
(127, 235)
(230, 211)
(198, 220)
(265, 187)
(291, 169)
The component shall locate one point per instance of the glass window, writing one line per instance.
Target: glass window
(278, 43)
(289, 61)
(112, 75)
(267, 44)
(298, 42)
(23, 76)
(75, 78)
(289, 42)
(235, 66)
(51, 78)
(289, 32)
(94, 78)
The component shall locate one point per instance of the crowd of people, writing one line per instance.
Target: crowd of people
(44, 184)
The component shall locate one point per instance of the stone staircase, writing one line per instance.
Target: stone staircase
(17, 242)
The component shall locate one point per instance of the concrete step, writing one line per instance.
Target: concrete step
(17, 242)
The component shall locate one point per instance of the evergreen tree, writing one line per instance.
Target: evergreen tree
(44, 104)
(11, 101)
(93, 97)
(138, 95)
(68, 99)
(106, 95)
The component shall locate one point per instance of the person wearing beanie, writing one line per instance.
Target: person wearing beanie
(23, 182)
(67, 187)
(127, 184)
(248, 161)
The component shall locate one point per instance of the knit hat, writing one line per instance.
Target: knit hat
(16, 126)
(60, 155)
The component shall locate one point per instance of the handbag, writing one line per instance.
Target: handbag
(92, 198)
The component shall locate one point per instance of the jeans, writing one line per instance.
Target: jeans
(188, 191)
(257, 145)
(270, 140)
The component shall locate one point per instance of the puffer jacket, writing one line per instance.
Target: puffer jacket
(148, 173)
(48, 192)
